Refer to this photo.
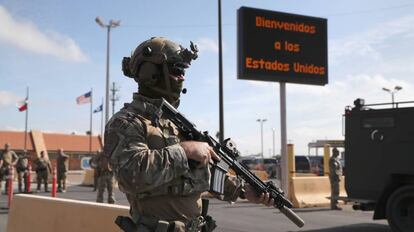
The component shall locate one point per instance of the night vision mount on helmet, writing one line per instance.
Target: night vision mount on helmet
(158, 65)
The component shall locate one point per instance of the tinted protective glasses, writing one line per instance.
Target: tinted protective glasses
(177, 69)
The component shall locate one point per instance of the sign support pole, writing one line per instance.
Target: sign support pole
(283, 143)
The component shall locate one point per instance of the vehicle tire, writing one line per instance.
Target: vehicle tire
(400, 209)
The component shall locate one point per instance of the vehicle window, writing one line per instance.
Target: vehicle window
(270, 161)
(302, 164)
(378, 122)
(247, 162)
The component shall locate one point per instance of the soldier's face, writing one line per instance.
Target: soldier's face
(177, 76)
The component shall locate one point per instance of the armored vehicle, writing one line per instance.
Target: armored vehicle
(379, 149)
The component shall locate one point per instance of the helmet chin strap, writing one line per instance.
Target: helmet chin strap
(157, 92)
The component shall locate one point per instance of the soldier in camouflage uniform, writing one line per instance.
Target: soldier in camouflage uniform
(335, 173)
(94, 166)
(8, 157)
(105, 179)
(22, 168)
(151, 160)
(43, 168)
(62, 162)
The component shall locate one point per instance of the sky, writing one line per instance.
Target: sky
(57, 49)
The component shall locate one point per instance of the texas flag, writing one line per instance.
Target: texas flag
(22, 105)
(85, 98)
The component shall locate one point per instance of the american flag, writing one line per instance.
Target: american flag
(85, 98)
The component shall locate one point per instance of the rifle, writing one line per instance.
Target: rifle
(228, 154)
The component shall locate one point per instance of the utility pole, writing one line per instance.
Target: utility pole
(114, 96)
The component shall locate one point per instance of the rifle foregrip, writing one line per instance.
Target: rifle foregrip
(292, 216)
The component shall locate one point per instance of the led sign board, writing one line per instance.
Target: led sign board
(282, 47)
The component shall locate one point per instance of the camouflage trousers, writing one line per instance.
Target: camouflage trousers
(41, 176)
(105, 180)
(61, 180)
(95, 179)
(22, 180)
(4, 175)
(334, 192)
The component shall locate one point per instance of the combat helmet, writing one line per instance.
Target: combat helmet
(158, 66)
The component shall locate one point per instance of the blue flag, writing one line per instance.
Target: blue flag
(99, 109)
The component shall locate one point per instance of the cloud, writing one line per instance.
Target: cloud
(371, 43)
(10, 128)
(8, 98)
(207, 45)
(27, 36)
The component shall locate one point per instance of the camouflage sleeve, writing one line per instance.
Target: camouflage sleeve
(15, 158)
(331, 166)
(36, 164)
(138, 168)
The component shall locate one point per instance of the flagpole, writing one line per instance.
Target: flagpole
(102, 122)
(26, 120)
(90, 126)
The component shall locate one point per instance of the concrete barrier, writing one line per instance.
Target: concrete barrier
(312, 191)
(44, 214)
(261, 174)
(88, 177)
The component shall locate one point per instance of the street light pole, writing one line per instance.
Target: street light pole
(273, 133)
(261, 121)
(108, 39)
(220, 63)
(392, 92)
(111, 24)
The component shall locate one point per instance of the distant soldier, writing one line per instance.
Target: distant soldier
(94, 165)
(105, 179)
(43, 168)
(22, 168)
(62, 162)
(335, 173)
(8, 158)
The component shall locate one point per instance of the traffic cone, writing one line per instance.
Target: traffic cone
(10, 186)
(54, 179)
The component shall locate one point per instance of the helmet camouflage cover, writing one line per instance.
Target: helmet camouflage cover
(158, 65)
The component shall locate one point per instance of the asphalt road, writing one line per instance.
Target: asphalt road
(244, 216)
